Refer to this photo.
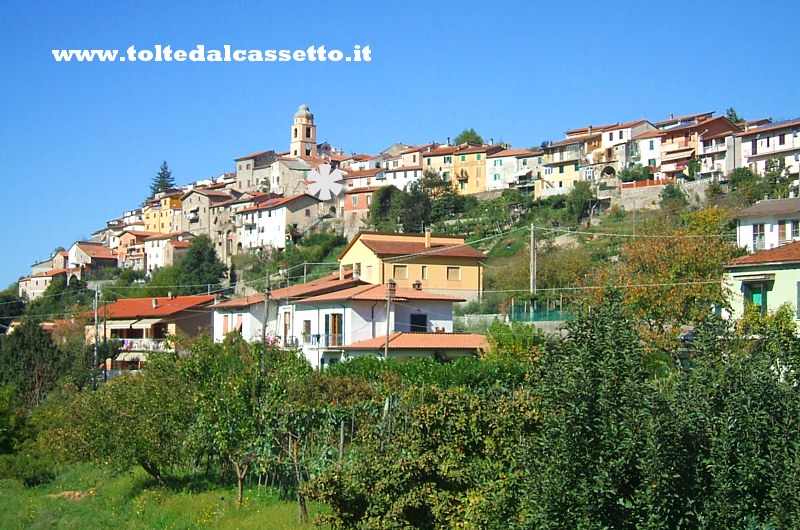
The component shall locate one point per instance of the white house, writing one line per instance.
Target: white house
(646, 150)
(768, 224)
(779, 140)
(507, 168)
(323, 325)
(268, 223)
(155, 249)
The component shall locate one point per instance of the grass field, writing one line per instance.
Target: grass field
(131, 500)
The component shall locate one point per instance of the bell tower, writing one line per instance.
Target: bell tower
(304, 134)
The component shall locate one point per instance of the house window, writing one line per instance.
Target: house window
(369, 200)
(576, 167)
(795, 228)
(463, 158)
(418, 322)
(782, 139)
(651, 162)
(429, 161)
(524, 161)
(479, 156)
(295, 132)
(767, 141)
(758, 237)
(496, 176)
(462, 185)
(756, 294)
(754, 147)
(446, 175)
(400, 272)
(560, 169)
(610, 136)
(424, 272)
(354, 200)
(448, 159)
(619, 136)
(414, 159)
(453, 274)
(306, 331)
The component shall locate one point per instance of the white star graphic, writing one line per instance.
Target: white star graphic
(325, 182)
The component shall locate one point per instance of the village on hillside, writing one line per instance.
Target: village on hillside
(393, 293)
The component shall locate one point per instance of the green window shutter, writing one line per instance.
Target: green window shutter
(463, 157)
(429, 161)
(560, 169)
(479, 156)
(576, 167)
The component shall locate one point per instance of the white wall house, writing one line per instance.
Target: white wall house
(768, 224)
(506, 168)
(245, 315)
(648, 152)
(775, 141)
(268, 223)
(322, 325)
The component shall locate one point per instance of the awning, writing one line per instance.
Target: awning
(132, 356)
(119, 324)
(766, 277)
(677, 155)
(146, 323)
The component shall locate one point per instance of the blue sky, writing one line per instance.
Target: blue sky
(80, 142)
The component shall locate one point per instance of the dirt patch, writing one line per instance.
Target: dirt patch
(71, 495)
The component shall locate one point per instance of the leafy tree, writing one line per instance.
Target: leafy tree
(468, 135)
(515, 341)
(673, 200)
(30, 361)
(200, 269)
(579, 201)
(61, 299)
(387, 208)
(11, 307)
(695, 166)
(733, 116)
(746, 186)
(778, 179)
(162, 181)
(635, 173)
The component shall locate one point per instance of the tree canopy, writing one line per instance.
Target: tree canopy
(200, 270)
(468, 135)
(162, 181)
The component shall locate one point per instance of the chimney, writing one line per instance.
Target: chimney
(170, 295)
(671, 116)
(491, 141)
(589, 128)
(155, 303)
(417, 285)
(448, 140)
(341, 272)
(427, 238)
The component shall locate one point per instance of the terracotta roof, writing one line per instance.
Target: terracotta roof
(364, 173)
(649, 134)
(575, 139)
(63, 253)
(179, 244)
(403, 248)
(139, 233)
(211, 194)
(478, 149)
(172, 235)
(244, 301)
(520, 153)
(442, 150)
(585, 130)
(770, 207)
(325, 284)
(377, 293)
(788, 253)
(786, 124)
(54, 272)
(423, 341)
(96, 250)
(273, 203)
(143, 307)
(418, 148)
(624, 125)
(365, 189)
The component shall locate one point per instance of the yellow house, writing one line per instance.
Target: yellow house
(440, 160)
(469, 166)
(441, 264)
(158, 214)
(562, 162)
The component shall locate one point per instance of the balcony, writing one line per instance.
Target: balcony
(193, 217)
(144, 345)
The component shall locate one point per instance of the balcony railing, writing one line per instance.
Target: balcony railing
(145, 345)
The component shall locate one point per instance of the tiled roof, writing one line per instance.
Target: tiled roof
(96, 250)
(786, 124)
(180, 244)
(403, 168)
(585, 130)
(143, 307)
(624, 125)
(649, 134)
(244, 301)
(173, 235)
(325, 284)
(403, 248)
(770, 207)
(575, 139)
(423, 341)
(441, 150)
(364, 173)
(418, 148)
(377, 293)
(254, 155)
(520, 153)
(478, 149)
(788, 253)
(365, 189)
(270, 204)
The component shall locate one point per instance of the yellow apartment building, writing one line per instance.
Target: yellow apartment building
(470, 167)
(158, 214)
(441, 264)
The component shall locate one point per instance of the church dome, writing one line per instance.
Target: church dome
(303, 112)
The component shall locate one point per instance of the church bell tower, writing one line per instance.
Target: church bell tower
(304, 134)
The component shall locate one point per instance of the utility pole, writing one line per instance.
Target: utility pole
(533, 260)
(391, 285)
(96, 333)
